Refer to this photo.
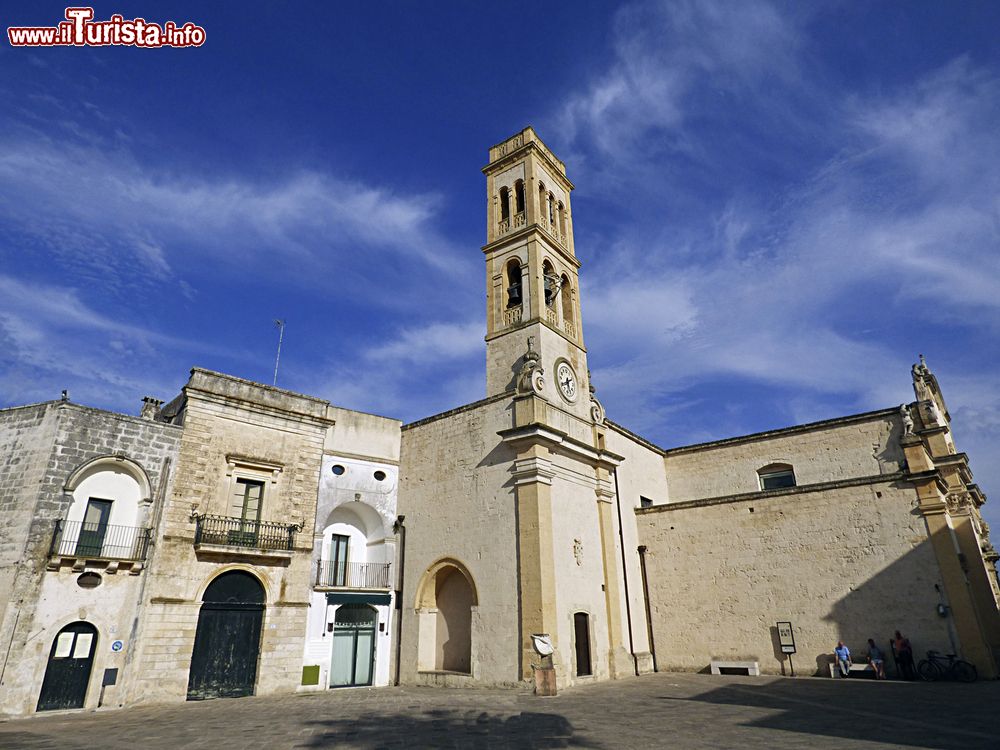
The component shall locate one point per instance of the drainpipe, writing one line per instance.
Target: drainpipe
(649, 614)
(400, 531)
(628, 603)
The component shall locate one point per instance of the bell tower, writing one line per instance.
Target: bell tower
(532, 274)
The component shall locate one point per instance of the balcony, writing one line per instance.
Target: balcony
(353, 575)
(76, 543)
(237, 536)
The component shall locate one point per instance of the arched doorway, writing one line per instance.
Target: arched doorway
(353, 646)
(67, 674)
(227, 642)
(445, 601)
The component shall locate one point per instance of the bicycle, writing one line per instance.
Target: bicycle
(934, 668)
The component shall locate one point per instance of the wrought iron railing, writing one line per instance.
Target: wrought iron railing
(99, 540)
(353, 575)
(240, 532)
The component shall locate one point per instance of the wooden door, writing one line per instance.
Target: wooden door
(227, 641)
(94, 528)
(67, 673)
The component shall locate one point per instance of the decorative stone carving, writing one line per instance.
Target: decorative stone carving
(935, 413)
(904, 412)
(531, 375)
(596, 408)
(578, 551)
(959, 502)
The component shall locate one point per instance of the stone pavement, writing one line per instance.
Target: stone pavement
(654, 711)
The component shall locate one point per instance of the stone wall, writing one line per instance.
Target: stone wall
(458, 498)
(640, 475)
(230, 423)
(841, 564)
(857, 446)
(47, 443)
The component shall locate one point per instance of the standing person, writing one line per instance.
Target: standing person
(843, 655)
(904, 655)
(877, 659)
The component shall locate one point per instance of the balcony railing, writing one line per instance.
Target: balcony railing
(99, 540)
(239, 532)
(353, 575)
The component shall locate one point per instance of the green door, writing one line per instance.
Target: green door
(353, 646)
(94, 528)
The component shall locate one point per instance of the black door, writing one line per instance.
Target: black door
(227, 642)
(67, 674)
(581, 628)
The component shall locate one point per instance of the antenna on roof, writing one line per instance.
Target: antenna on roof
(280, 325)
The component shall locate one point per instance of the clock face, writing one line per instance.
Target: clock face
(566, 379)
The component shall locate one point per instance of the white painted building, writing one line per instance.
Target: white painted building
(350, 622)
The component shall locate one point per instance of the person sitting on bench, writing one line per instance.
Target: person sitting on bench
(843, 655)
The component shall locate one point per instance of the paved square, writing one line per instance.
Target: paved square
(654, 711)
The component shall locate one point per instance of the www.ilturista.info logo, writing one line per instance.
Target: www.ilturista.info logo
(80, 30)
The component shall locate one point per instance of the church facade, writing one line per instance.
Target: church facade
(291, 544)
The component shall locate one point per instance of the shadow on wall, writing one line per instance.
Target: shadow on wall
(870, 712)
(900, 596)
(447, 728)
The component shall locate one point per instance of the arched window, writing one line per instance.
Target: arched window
(566, 294)
(519, 196)
(775, 476)
(562, 219)
(551, 284)
(514, 295)
(552, 210)
(504, 204)
(542, 209)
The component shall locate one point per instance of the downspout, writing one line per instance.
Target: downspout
(649, 614)
(628, 603)
(401, 532)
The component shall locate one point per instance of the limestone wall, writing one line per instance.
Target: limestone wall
(458, 498)
(231, 424)
(47, 443)
(847, 563)
(859, 446)
(641, 474)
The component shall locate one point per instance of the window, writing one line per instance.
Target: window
(94, 528)
(776, 476)
(338, 559)
(379, 476)
(504, 204)
(519, 196)
(513, 282)
(247, 499)
(645, 502)
(338, 469)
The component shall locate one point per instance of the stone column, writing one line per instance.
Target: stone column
(619, 661)
(536, 564)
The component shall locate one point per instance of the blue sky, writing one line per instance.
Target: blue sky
(778, 206)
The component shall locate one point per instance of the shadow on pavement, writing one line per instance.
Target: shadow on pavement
(446, 728)
(911, 716)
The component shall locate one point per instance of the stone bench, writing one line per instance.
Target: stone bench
(856, 670)
(752, 667)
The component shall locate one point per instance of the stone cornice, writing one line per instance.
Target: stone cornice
(869, 416)
(459, 409)
(561, 442)
(780, 493)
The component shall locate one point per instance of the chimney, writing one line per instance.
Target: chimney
(150, 408)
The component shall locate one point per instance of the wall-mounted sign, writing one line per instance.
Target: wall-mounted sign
(117, 646)
(786, 638)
